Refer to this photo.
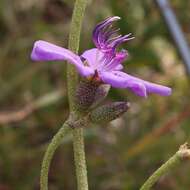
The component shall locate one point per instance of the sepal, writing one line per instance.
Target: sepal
(101, 94)
(85, 95)
(108, 112)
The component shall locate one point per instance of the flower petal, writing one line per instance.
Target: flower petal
(150, 87)
(45, 51)
(138, 88)
(121, 82)
(98, 61)
(118, 67)
(157, 89)
(93, 57)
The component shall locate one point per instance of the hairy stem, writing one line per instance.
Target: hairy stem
(80, 162)
(74, 39)
(55, 142)
(177, 158)
(78, 142)
(72, 81)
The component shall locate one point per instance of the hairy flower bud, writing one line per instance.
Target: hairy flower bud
(109, 112)
(101, 93)
(85, 95)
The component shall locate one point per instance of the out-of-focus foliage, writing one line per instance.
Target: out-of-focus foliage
(120, 155)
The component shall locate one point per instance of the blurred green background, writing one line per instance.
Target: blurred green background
(33, 98)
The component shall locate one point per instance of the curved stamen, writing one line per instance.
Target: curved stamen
(122, 39)
(106, 59)
(103, 31)
(116, 60)
(105, 36)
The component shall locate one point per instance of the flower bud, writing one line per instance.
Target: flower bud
(109, 112)
(101, 93)
(85, 95)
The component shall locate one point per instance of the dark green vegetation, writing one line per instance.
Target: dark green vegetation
(33, 98)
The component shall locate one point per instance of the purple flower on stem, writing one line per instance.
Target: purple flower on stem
(103, 62)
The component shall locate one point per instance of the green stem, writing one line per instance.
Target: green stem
(72, 77)
(56, 141)
(80, 162)
(176, 159)
(72, 81)
(74, 39)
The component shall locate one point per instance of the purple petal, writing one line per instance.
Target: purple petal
(113, 79)
(140, 87)
(137, 87)
(157, 89)
(120, 82)
(93, 57)
(118, 67)
(150, 87)
(45, 51)
(101, 61)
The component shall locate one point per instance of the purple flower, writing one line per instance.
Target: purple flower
(103, 62)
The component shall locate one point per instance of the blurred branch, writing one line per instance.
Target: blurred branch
(175, 31)
(20, 78)
(9, 16)
(32, 152)
(19, 115)
(149, 139)
(181, 155)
